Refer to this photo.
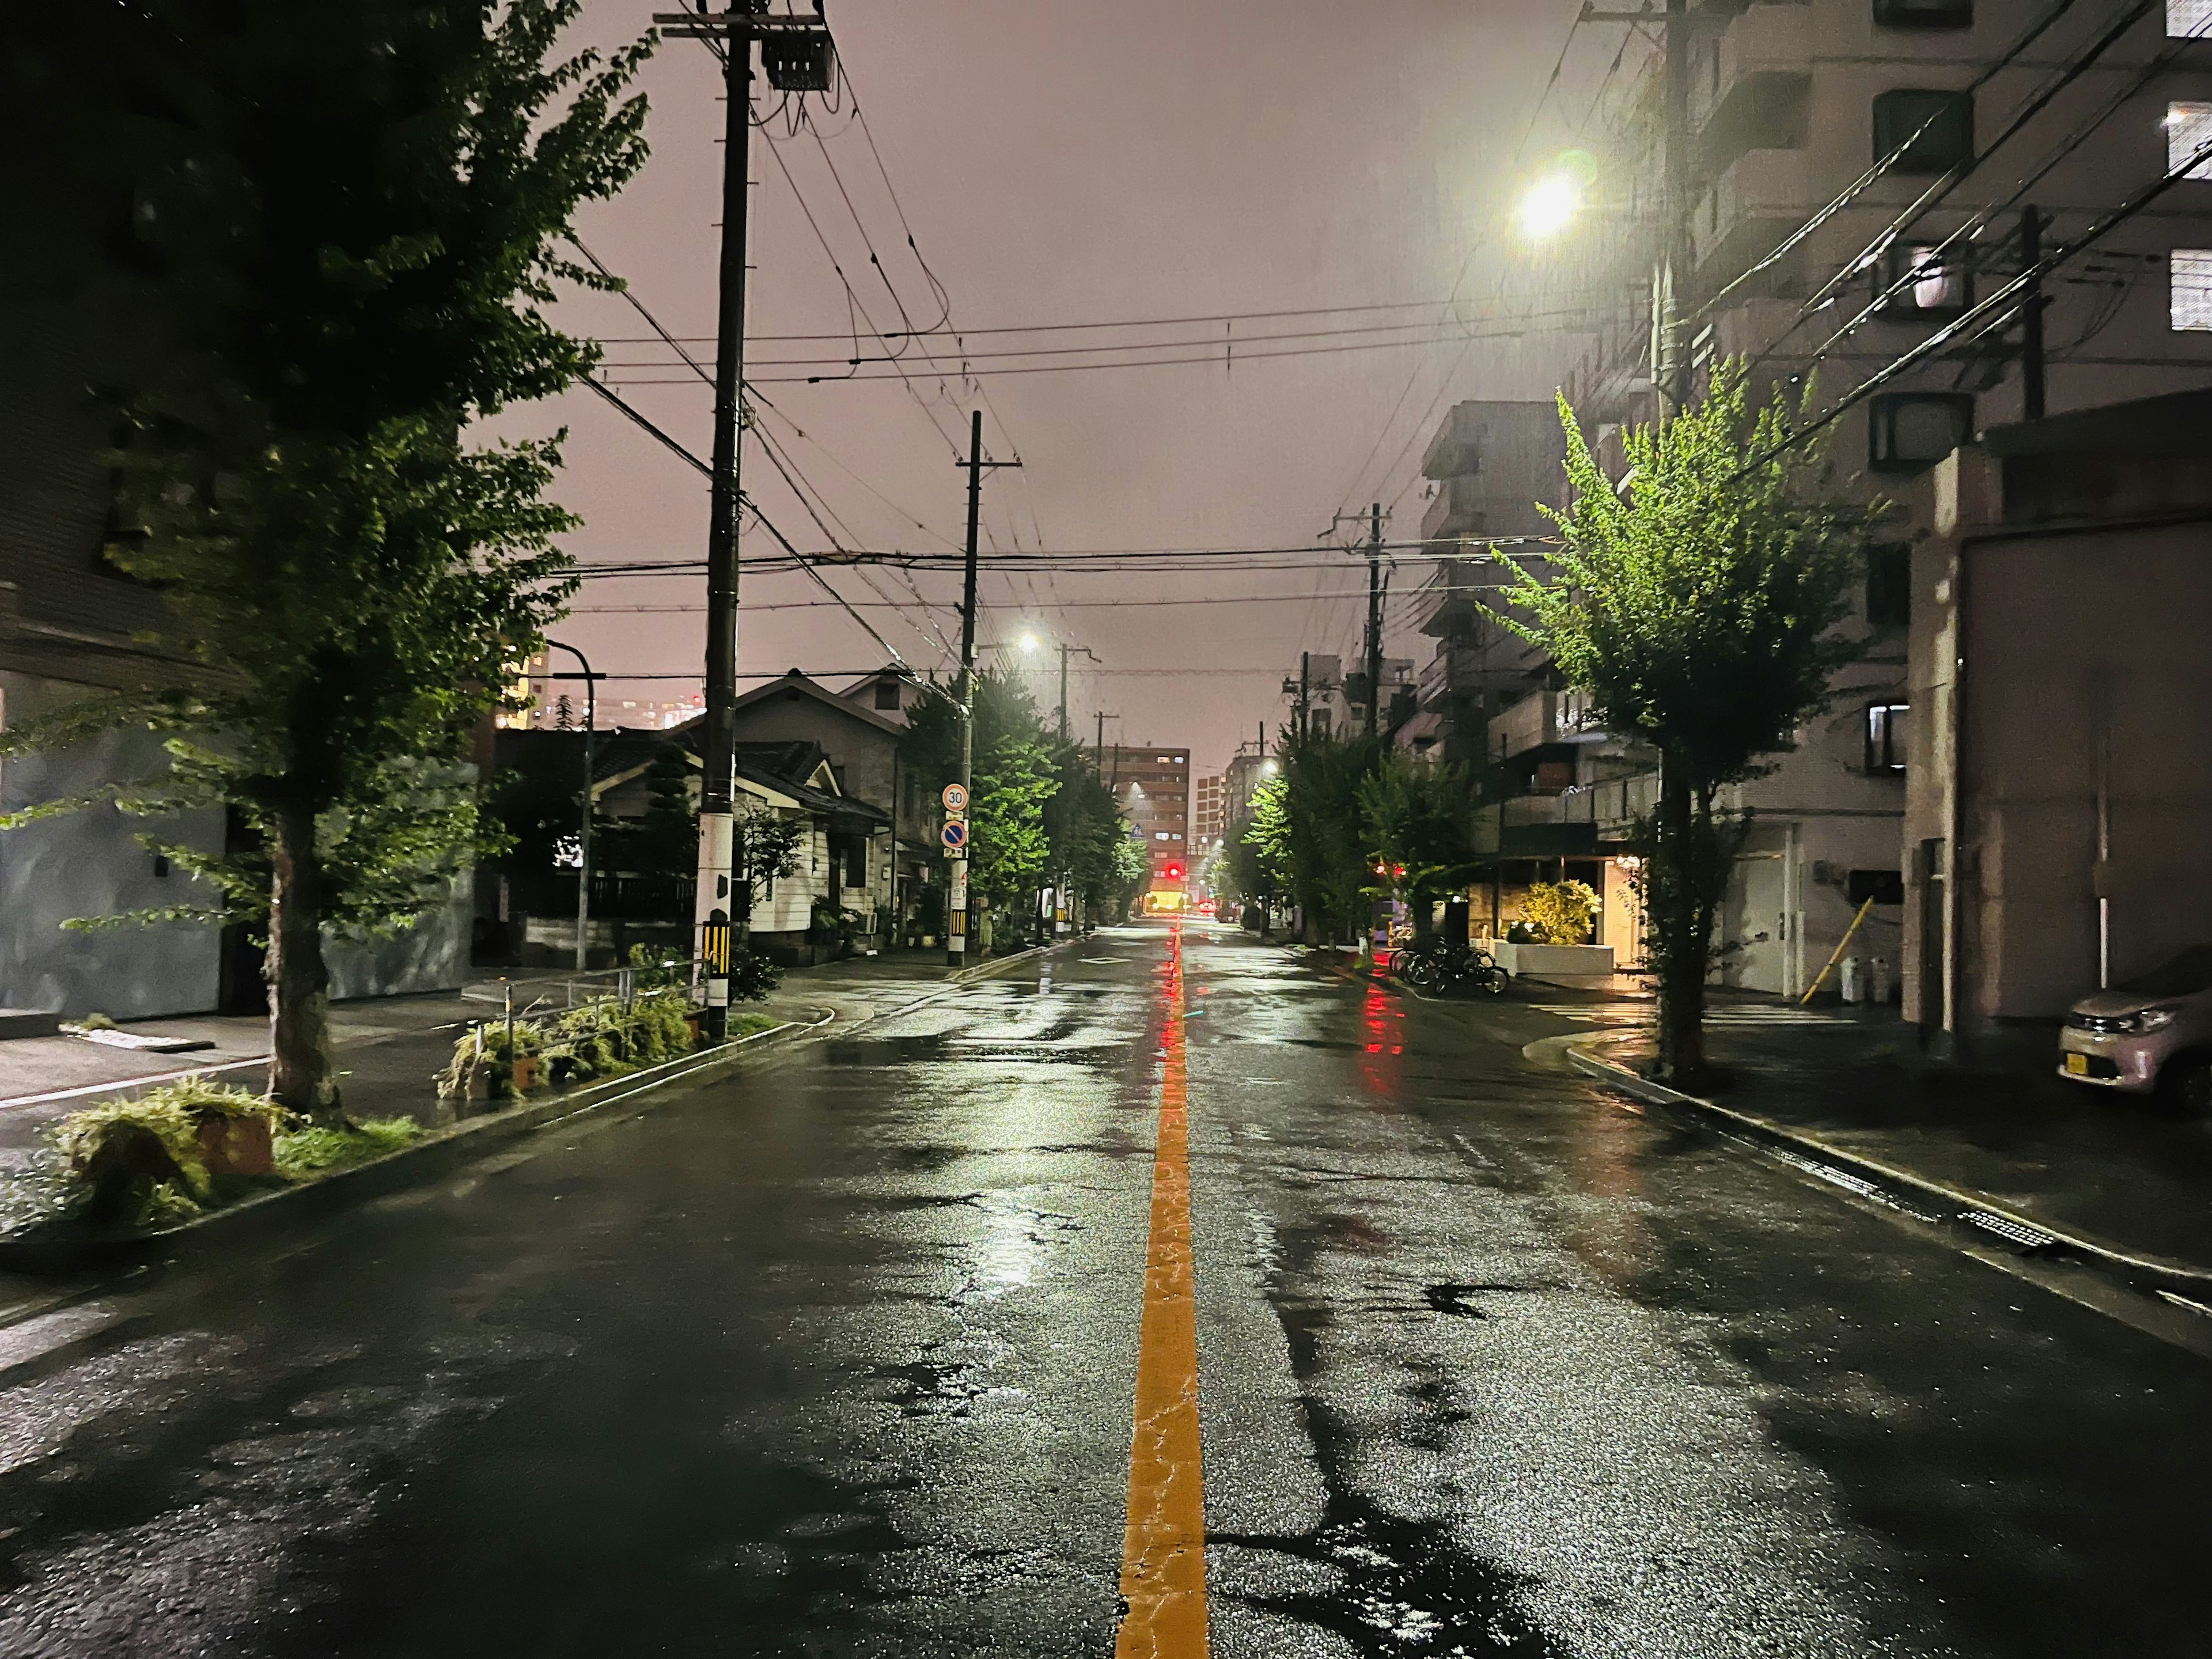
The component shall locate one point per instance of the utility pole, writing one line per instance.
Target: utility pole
(1373, 615)
(1305, 693)
(1065, 652)
(799, 61)
(1098, 750)
(1669, 300)
(2030, 316)
(956, 937)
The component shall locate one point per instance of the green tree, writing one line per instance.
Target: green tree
(1014, 778)
(1419, 819)
(1698, 606)
(1307, 826)
(321, 240)
(1085, 831)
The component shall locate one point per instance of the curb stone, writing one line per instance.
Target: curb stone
(1964, 1208)
(427, 1158)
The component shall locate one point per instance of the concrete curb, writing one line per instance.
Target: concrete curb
(427, 1159)
(1967, 1209)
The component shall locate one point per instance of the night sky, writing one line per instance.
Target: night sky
(1061, 163)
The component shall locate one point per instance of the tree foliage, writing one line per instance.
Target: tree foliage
(1698, 606)
(1015, 777)
(1419, 819)
(318, 242)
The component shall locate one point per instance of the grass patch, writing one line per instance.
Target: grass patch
(304, 1153)
(745, 1025)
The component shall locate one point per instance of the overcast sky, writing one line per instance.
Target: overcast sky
(1074, 161)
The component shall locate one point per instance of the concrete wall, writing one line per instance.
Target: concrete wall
(86, 864)
(431, 956)
(2059, 668)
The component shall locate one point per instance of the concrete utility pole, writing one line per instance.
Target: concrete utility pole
(799, 60)
(2030, 316)
(956, 936)
(1065, 652)
(1374, 616)
(1670, 300)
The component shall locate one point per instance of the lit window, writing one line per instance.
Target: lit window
(2189, 270)
(1887, 731)
(2187, 19)
(1159, 834)
(2188, 130)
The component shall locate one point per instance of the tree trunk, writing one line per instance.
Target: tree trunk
(1682, 924)
(301, 1073)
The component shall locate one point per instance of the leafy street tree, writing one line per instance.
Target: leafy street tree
(1418, 817)
(1698, 607)
(1307, 826)
(324, 237)
(1089, 838)
(764, 849)
(1015, 777)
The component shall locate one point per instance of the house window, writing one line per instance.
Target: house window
(1924, 13)
(1882, 886)
(887, 694)
(2188, 131)
(1889, 585)
(2189, 273)
(1935, 130)
(1888, 727)
(1909, 430)
(1920, 283)
(1159, 834)
(2188, 19)
(856, 864)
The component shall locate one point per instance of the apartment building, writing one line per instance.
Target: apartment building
(1790, 105)
(1327, 699)
(1207, 824)
(1152, 785)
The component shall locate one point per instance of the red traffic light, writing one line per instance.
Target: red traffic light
(1174, 872)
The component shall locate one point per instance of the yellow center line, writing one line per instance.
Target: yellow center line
(1163, 1550)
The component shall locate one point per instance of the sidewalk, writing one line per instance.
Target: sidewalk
(389, 1049)
(2114, 1169)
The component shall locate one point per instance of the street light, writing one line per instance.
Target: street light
(1028, 644)
(1548, 206)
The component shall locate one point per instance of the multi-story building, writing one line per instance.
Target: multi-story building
(1207, 823)
(1327, 701)
(1490, 464)
(1802, 263)
(1152, 785)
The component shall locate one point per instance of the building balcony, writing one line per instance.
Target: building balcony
(1758, 200)
(1753, 98)
(1540, 719)
(1475, 506)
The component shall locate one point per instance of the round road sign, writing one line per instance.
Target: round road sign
(956, 833)
(955, 798)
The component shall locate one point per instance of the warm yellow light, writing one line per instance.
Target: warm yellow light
(1549, 206)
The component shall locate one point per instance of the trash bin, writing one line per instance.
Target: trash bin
(1854, 985)
(1878, 981)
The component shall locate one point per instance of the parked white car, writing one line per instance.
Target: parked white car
(2154, 1033)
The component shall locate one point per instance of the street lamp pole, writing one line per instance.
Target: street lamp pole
(584, 835)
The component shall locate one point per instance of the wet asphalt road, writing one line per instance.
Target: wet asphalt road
(835, 1354)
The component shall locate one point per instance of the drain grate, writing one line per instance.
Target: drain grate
(1833, 1177)
(2015, 1233)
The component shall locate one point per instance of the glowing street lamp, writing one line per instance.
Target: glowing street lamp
(1549, 206)
(1029, 643)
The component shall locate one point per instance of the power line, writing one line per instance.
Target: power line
(1975, 315)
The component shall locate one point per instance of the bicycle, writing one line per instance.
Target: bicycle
(1431, 963)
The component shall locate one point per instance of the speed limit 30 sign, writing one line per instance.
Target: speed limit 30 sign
(955, 798)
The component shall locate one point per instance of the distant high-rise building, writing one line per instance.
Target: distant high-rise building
(1151, 785)
(1207, 821)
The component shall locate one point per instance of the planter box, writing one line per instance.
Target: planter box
(528, 1072)
(1546, 961)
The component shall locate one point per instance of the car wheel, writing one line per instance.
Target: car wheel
(2188, 1084)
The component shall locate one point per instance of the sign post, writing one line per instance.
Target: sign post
(955, 838)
